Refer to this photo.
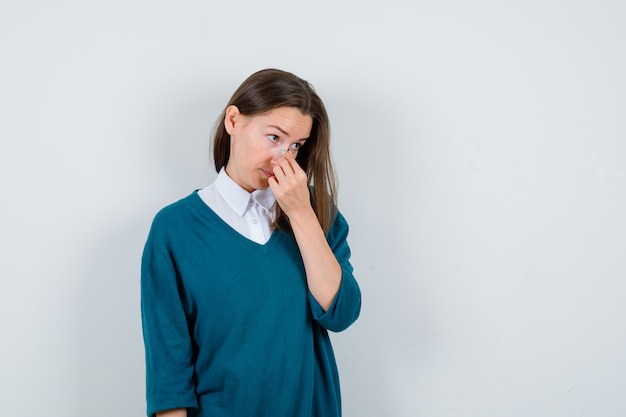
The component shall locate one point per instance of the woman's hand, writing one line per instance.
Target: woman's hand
(290, 186)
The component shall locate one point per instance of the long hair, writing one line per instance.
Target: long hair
(269, 89)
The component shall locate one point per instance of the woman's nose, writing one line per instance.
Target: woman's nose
(280, 153)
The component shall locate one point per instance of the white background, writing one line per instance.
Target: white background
(481, 153)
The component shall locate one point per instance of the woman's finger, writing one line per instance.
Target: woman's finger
(287, 162)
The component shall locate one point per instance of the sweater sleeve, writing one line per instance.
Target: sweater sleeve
(346, 306)
(167, 340)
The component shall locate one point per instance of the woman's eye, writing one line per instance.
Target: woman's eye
(272, 138)
(295, 146)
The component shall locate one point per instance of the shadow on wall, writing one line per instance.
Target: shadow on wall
(173, 159)
(111, 361)
(380, 356)
(181, 141)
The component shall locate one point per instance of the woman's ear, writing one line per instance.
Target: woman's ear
(232, 117)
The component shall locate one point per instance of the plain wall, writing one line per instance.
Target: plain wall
(481, 154)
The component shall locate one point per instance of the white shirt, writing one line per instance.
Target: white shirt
(250, 214)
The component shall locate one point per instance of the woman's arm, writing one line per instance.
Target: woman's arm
(179, 412)
(323, 272)
(291, 190)
(168, 344)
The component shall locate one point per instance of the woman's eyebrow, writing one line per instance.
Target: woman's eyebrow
(281, 129)
(284, 132)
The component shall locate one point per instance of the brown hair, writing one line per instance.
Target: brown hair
(269, 89)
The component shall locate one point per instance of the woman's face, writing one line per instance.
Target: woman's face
(256, 142)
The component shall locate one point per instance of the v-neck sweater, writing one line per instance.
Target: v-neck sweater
(230, 328)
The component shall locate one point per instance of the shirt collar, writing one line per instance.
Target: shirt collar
(239, 199)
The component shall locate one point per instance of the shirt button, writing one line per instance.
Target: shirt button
(254, 221)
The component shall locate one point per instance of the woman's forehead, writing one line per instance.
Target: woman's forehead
(289, 120)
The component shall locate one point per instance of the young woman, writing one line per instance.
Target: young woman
(241, 280)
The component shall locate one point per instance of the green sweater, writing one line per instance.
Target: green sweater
(230, 328)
